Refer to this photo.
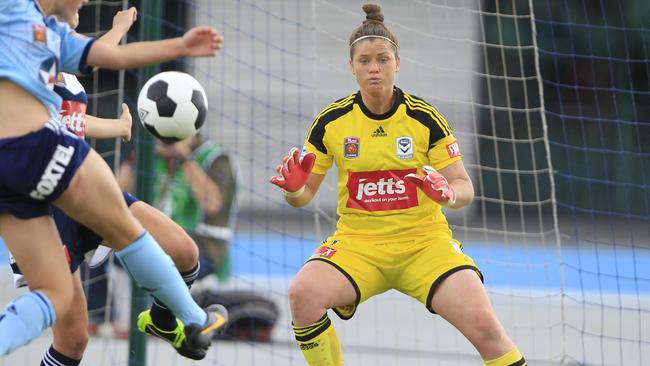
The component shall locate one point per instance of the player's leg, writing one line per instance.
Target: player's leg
(159, 320)
(94, 199)
(70, 331)
(36, 246)
(172, 238)
(310, 297)
(351, 277)
(178, 245)
(448, 282)
(461, 300)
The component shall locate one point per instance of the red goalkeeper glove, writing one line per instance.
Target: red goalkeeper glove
(434, 185)
(293, 172)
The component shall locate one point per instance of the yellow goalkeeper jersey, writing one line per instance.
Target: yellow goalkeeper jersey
(373, 153)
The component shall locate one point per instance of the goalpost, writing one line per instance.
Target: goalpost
(549, 103)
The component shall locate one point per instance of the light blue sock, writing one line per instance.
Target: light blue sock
(155, 272)
(24, 319)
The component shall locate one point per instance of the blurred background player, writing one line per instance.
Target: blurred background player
(43, 163)
(195, 185)
(398, 166)
(71, 330)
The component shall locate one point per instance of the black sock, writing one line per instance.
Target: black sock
(162, 317)
(53, 358)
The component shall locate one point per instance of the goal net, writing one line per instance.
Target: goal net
(549, 103)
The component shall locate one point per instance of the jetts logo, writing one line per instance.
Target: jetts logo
(381, 190)
(73, 115)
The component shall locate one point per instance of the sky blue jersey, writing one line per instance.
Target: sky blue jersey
(35, 49)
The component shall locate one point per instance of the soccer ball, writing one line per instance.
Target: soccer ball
(172, 106)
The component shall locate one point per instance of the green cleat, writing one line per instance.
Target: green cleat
(174, 337)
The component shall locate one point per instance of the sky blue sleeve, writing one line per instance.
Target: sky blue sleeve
(74, 47)
(4, 5)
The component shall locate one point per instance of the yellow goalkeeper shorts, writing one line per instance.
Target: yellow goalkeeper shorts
(414, 267)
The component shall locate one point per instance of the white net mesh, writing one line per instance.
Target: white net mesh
(567, 279)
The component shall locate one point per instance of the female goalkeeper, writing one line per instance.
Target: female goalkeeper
(398, 166)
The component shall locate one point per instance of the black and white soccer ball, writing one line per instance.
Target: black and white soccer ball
(172, 106)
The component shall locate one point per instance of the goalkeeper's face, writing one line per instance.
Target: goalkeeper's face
(375, 64)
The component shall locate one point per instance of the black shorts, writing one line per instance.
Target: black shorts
(77, 238)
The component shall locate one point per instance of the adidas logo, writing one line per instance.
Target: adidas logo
(379, 132)
(307, 346)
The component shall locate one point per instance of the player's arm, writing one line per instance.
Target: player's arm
(460, 183)
(104, 128)
(450, 186)
(204, 190)
(197, 42)
(298, 183)
(311, 187)
(122, 22)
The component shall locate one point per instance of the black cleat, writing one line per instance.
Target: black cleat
(200, 337)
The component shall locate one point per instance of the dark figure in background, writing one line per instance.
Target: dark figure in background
(195, 185)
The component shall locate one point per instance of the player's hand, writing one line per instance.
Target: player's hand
(434, 185)
(126, 122)
(202, 41)
(293, 172)
(124, 19)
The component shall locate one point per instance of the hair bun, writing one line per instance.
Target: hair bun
(373, 12)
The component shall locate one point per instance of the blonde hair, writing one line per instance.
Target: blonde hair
(372, 27)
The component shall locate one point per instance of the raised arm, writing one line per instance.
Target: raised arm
(460, 182)
(311, 187)
(450, 187)
(298, 183)
(122, 22)
(197, 42)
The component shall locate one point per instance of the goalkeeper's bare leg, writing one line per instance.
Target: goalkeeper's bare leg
(310, 298)
(462, 301)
